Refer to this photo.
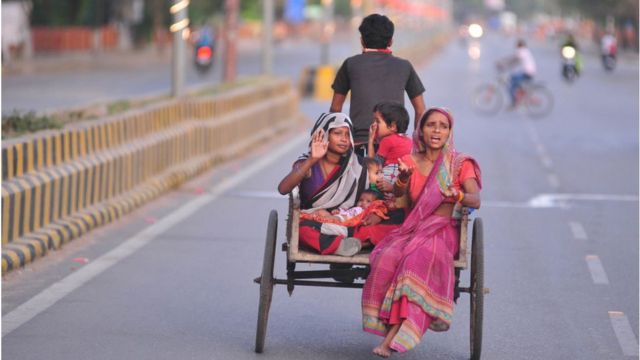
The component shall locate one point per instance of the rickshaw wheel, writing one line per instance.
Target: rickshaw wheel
(266, 280)
(477, 289)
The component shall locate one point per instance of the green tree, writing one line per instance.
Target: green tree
(598, 10)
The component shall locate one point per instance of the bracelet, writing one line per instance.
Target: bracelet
(460, 196)
(400, 183)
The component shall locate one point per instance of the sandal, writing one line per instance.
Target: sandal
(438, 326)
(348, 247)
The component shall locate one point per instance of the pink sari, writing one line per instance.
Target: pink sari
(412, 274)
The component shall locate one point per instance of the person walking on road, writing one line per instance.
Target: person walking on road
(410, 287)
(373, 76)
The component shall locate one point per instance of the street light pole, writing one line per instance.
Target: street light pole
(356, 19)
(327, 30)
(230, 39)
(267, 37)
(180, 23)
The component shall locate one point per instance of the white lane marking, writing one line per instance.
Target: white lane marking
(593, 197)
(559, 200)
(533, 134)
(553, 180)
(542, 201)
(505, 204)
(62, 288)
(598, 275)
(578, 230)
(624, 333)
(538, 201)
(540, 149)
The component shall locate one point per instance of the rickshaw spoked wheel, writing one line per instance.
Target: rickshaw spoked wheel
(266, 280)
(477, 289)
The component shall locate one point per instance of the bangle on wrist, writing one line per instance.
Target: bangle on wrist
(460, 196)
(401, 184)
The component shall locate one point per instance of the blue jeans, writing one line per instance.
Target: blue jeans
(516, 80)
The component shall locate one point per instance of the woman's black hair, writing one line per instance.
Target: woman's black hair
(430, 111)
(393, 112)
(376, 31)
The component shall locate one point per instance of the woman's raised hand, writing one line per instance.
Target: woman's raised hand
(404, 170)
(319, 147)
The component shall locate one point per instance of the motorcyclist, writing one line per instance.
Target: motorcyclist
(525, 69)
(608, 45)
(204, 46)
(571, 42)
(204, 36)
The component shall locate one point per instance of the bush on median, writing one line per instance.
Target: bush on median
(19, 123)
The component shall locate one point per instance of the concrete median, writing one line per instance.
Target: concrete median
(58, 185)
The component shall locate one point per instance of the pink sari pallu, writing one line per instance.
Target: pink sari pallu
(412, 274)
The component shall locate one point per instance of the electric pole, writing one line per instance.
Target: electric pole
(180, 23)
(230, 39)
(267, 37)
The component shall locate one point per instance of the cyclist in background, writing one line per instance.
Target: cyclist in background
(524, 66)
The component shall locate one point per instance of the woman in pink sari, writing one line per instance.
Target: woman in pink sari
(411, 283)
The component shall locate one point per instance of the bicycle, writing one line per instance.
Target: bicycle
(488, 98)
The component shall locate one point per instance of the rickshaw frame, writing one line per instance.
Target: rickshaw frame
(359, 269)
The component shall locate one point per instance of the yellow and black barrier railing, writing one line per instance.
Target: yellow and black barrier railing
(44, 207)
(32, 153)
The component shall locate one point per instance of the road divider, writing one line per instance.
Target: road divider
(58, 185)
(49, 296)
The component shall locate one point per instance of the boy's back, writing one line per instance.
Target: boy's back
(373, 77)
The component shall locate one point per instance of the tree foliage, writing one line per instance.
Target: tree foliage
(600, 8)
(71, 12)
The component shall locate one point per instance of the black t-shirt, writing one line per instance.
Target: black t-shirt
(373, 77)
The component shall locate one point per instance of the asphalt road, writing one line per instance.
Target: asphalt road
(107, 79)
(560, 212)
(110, 79)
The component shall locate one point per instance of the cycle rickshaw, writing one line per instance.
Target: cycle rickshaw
(359, 270)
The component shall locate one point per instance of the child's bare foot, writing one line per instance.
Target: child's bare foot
(382, 350)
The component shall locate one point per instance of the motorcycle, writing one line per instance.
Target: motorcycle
(204, 57)
(609, 60)
(570, 70)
